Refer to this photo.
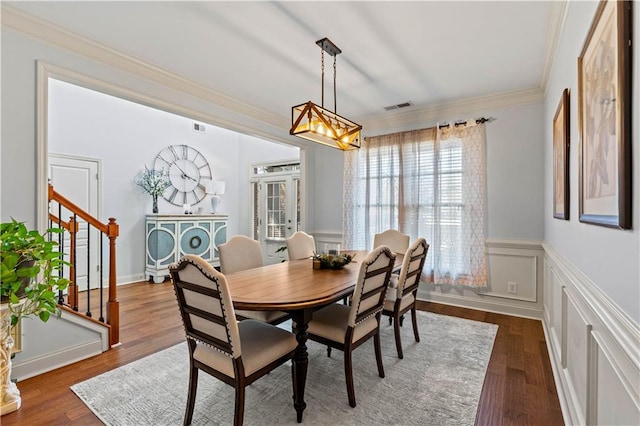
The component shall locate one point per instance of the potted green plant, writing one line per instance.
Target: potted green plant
(29, 268)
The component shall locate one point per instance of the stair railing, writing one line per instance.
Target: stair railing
(109, 312)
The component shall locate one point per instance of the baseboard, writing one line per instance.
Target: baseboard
(126, 279)
(49, 362)
(498, 307)
(557, 374)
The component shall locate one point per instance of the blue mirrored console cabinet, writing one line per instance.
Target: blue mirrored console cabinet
(171, 236)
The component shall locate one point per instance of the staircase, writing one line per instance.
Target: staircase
(104, 309)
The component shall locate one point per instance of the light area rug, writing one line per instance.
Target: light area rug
(438, 382)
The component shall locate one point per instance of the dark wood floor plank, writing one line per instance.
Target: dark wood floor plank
(490, 407)
(516, 412)
(518, 383)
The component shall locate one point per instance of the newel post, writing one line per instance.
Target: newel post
(113, 306)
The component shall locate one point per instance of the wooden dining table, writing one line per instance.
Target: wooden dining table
(296, 288)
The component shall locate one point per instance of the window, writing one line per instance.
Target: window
(276, 210)
(427, 183)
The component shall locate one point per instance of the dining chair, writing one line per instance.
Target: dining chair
(300, 246)
(395, 240)
(241, 253)
(401, 295)
(237, 353)
(346, 327)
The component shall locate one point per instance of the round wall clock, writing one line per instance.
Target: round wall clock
(187, 170)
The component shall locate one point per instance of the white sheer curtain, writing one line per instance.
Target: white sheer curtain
(426, 183)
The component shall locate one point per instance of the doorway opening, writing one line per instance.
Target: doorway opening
(275, 206)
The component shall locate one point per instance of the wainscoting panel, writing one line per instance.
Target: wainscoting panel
(553, 296)
(576, 346)
(614, 395)
(517, 271)
(515, 281)
(594, 348)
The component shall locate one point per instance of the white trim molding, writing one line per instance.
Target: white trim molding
(593, 346)
(509, 262)
(41, 30)
(556, 27)
(97, 344)
(433, 113)
(26, 24)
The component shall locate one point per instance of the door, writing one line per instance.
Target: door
(77, 179)
(276, 213)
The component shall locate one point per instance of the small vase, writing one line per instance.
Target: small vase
(155, 204)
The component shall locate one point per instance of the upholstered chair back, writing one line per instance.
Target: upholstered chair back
(205, 305)
(412, 265)
(240, 253)
(300, 246)
(371, 286)
(395, 240)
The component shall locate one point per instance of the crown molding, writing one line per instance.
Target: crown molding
(43, 31)
(433, 113)
(556, 28)
(46, 32)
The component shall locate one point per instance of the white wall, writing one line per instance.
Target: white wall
(592, 283)
(126, 136)
(609, 257)
(515, 173)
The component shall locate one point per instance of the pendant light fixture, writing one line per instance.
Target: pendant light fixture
(318, 124)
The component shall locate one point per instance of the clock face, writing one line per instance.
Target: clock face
(187, 171)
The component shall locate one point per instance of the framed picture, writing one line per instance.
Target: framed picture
(561, 158)
(604, 103)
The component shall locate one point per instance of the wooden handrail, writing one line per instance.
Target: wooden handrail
(70, 205)
(111, 230)
(64, 225)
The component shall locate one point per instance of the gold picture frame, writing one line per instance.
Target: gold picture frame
(604, 104)
(561, 158)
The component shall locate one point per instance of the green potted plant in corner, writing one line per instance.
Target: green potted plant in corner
(30, 266)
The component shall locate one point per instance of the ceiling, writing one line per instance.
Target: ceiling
(264, 54)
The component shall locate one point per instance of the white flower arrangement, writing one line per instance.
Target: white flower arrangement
(153, 182)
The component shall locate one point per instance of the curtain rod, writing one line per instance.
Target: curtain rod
(464, 123)
(443, 126)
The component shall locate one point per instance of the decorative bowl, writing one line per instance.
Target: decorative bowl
(333, 261)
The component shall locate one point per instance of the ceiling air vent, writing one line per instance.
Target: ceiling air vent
(198, 127)
(398, 106)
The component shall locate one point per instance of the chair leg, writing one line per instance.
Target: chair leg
(414, 319)
(348, 374)
(191, 397)
(376, 344)
(329, 351)
(238, 416)
(390, 320)
(396, 332)
(401, 320)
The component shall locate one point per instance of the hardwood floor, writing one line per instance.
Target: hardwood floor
(519, 387)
